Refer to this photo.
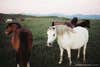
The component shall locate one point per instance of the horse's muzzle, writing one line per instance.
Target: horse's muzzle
(6, 32)
(49, 44)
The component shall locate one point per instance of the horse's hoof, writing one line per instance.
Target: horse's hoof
(17, 65)
(59, 62)
(84, 62)
(70, 63)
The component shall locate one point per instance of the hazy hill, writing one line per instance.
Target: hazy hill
(84, 16)
(80, 16)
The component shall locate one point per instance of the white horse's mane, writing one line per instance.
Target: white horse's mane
(63, 28)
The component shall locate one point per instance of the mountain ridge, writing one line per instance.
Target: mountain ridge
(80, 16)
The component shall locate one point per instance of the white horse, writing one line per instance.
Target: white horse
(68, 39)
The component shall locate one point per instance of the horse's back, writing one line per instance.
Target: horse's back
(80, 37)
(81, 30)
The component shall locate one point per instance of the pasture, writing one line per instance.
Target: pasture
(43, 56)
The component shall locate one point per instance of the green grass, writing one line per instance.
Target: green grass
(43, 56)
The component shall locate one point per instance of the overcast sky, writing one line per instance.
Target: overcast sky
(50, 6)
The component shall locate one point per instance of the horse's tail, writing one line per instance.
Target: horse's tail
(24, 50)
(23, 40)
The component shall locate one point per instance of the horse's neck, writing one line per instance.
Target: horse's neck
(15, 35)
(15, 32)
(15, 40)
(65, 35)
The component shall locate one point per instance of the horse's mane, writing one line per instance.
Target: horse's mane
(63, 28)
(16, 23)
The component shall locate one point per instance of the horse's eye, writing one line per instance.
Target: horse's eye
(53, 28)
(53, 34)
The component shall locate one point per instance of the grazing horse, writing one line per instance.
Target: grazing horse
(73, 23)
(21, 40)
(68, 38)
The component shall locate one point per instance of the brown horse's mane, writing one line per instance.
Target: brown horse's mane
(16, 23)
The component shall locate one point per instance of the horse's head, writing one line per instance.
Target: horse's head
(51, 33)
(11, 27)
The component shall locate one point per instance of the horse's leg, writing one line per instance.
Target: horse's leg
(18, 65)
(78, 55)
(23, 65)
(69, 55)
(61, 55)
(84, 53)
(28, 64)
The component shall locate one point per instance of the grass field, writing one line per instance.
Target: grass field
(43, 56)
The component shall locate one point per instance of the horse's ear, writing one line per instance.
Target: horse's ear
(49, 27)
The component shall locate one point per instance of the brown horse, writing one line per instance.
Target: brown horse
(21, 41)
(84, 23)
